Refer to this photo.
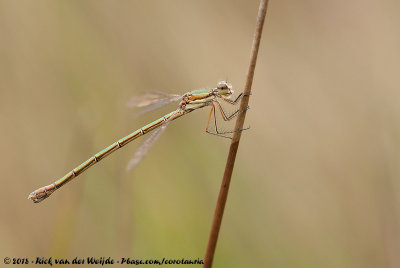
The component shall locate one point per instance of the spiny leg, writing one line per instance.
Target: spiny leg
(212, 112)
(228, 118)
(234, 102)
(234, 114)
(217, 132)
(209, 117)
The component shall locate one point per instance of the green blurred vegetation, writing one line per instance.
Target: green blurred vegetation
(316, 179)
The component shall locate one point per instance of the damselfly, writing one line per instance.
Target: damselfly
(190, 101)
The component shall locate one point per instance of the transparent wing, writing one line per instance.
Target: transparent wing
(150, 101)
(145, 146)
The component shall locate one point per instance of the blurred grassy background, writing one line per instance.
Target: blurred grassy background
(316, 179)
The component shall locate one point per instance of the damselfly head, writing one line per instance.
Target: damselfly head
(224, 88)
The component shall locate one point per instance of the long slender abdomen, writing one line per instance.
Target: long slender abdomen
(44, 192)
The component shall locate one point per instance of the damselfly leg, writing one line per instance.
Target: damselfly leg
(225, 116)
(233, 102)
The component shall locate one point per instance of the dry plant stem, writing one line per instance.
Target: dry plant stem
(223, 194)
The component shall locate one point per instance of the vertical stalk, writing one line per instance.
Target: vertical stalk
(223, 194)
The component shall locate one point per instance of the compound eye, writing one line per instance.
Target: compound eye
(222, 85)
